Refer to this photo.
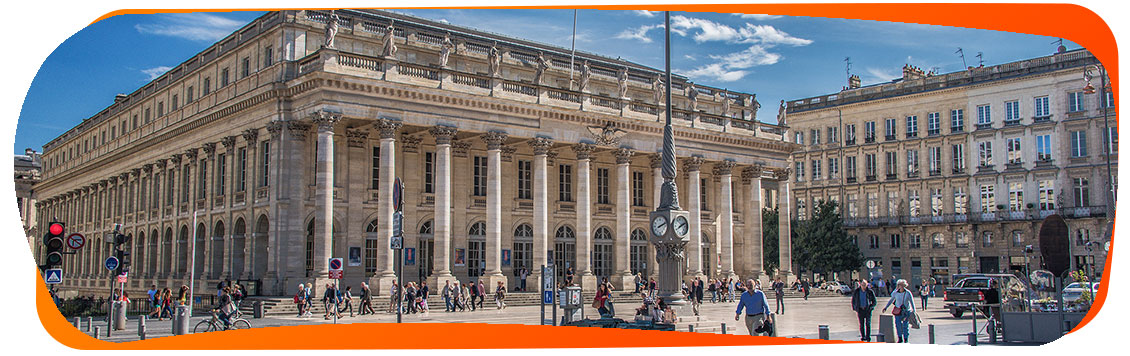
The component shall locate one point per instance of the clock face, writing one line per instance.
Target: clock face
(681, 226)
(659, 226)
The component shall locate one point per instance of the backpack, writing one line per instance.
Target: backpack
(297, 298)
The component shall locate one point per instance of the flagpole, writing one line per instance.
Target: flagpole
(573, 51)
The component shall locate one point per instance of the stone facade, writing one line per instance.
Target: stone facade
(948, 189)
(28, 169)
(283, 153)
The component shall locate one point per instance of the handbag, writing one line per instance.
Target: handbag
(896, 311)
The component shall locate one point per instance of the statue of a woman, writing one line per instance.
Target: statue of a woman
(542, 64)
(586, 74)
(389, 46)
(494, 59)
(657, 89)
(623, 80)
(692, 93)
(445, 50)
(331, 30)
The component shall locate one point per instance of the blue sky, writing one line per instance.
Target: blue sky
(776, 57)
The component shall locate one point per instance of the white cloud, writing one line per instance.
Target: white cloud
(706, 30)
(637, 33)
(877, 75)
(759, 17)
(191, 26)
(155, 72)
(715, 71)
(690, 57)
(443, 21)
(733, 67)
(645, 13)
(770, 35)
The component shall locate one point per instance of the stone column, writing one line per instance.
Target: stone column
(541, 147)
(160, 171)
(324, 192)
(493, 273)
(723, 171)
(441, 229)
(584, 217)
(287, 224)
(623, 259)
(386, 269)
(694, 205)
(753, 238)
(784, 225)
(656, 191)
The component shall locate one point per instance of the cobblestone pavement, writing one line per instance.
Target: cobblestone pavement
(801, 319)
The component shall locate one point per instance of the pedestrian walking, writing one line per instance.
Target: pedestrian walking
(805, 286)
(154, 301)
(446, 293)
(903, 301)
(166, 304)
(329, 301)
(636, 280)
(366, 300)
(482, 293)
(474, 296)
(697, 291)
(422, 294)
(300, 300)
(393, 295)
(863, 303)
(925, 291)
(464, 295)
(500, 296)
(756, 309)
(730, 288)
(713, 289)
(598, 302)
(410, 298)
(347, 299)
(779, 293)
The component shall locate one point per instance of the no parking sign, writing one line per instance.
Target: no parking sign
(336, 270)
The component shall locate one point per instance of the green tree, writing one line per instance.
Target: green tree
(769, 247)
(821, 244)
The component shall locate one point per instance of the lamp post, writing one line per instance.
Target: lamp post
(1088, 74)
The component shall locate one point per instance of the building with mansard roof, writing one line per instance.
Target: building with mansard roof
(277, 147)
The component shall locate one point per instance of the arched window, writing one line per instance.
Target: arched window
(476, 249)
(371, 248)
(523, 252)
(372, 227)
(426, 228)
(564, 250)
(638, 252)
(938, 239)
(602, 252)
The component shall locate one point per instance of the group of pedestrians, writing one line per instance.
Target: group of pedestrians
(863, 302)
(161, 302)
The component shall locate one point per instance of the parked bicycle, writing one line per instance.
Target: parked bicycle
(215, 324)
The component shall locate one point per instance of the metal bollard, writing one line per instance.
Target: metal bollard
(78, 323)
(773, 320)
(972, 339)
(109, 328)
(823, 331)
(880, 337)
(931, 330)
(141, 326)
(723, 328)
(992, 328)
(98, 332)
(690, 328)
(89, 323)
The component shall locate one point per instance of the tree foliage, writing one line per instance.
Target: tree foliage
(821, 244)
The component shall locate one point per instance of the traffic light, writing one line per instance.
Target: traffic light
(121, 252)
(54, 242)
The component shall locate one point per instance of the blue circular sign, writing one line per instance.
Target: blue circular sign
(112, 263)
(335, 263)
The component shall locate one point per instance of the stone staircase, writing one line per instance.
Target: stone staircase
(282, 306)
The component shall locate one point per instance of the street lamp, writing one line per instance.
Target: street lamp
(1088, 74)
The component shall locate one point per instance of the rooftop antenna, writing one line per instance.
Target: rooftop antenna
(961, 53)
(847, 66)
(980, 59)
(1059, 48)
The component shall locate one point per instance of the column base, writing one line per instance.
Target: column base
(437, 280)
(380, 285)
(492, 282)
(624, 282)
(588, 282)
(786, 277)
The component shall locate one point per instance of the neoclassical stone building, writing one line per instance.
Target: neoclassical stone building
(947, 173)
(277, 148)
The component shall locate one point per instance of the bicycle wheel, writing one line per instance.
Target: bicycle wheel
(241, 324)
(204, 326)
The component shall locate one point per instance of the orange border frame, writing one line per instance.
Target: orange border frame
(1073, 22)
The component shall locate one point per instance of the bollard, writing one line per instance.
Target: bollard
(89, 323)
(690, 328)
(78, 323)
(931, 330)
(109, 328)
(823, 331)
(887, 326)
(972, 339)
(98, 332)
(992, 328)
(880, 337)
(180, 320)
(120, 319)
(257, 311)
(723, 328)
(141, 327)
(773, 320)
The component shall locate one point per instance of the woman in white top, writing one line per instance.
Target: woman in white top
(904, 302)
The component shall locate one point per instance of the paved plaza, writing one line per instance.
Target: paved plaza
(800, 319)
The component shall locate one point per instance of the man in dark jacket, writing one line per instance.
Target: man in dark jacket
(863, 303)
(779, 292)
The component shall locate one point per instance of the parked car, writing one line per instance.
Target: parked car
(970, 290)
(1074, 291)
(838, 287)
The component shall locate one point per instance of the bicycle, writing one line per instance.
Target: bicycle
(215, 324)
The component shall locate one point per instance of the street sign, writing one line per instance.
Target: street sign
(547, 278)
(397, 195)
(76, 241)
(397, 241)
(122, 278)
(112, 263)
(53, 276)
(547, 297)
(336, 271)
(870, 264)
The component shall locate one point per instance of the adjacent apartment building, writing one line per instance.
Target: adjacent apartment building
(939, 174)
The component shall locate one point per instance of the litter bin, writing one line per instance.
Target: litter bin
(119, 309)
(257, 309)
(180, 320)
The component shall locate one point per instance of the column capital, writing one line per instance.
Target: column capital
(443, 134)
(251, 135)
(325, 120)
(782, 174)
(123, 176)
(411, 143)
(190, 154)
(175, 159)
(752, 172)
(357, 137)
(508, 153)
(551, 156)
(460, 148)
(112, 180)
(584, 150)
(388, 128)
(725, 167)
(656, 160)
(147, 168)
(298, 129)
(494, 139)
(275, 128)
(210, 150)
(693, 163)
(541, 145)
(228, 142)
(135, 172)
(161, 163)
(623, 155)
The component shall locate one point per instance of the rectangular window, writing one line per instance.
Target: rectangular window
(479, 177)
(1110, 137)
(934, 123)
(265, 164)
(800, 171)
(874, 241)
(602, 186)
(957, 120)
(816, 169)
(915, 242)
(1015, 196)
(1042, 106)
(935, 154)
(207, 86)
(833, 134)
(524, 179)
(375, 179)
(1078, 144)
(1012, 146)
(849, 167)
(893, 204)
(799, 138)
(702, 192)
(985, 153)
(833, 168)
(637, 189)
(958, 158)
(372, 247)
(565, 182)
(1109, 99)
(221, 171)
(201, 179)
(896, 241)
(892, 127)
(892, 164)
(268, 56)
(174, 103)
(189, 94)
(871, 165)
(869, 131)
(1044, 148)
(960, 201)
(988, 198)
(962, 241)
(912, 126)
(1082, 192)
(224, 78)
(241, 170)
(1075, 101)
(936, 202)
(1012, 112)
(815, 136)
(185, 187)
(849, 134)
(246, 67)
(912, 163)
(160, 109)
(1047, 195)
(853, 209)
(984, 116)
(872, 205)
(800, 209)
(915, 203)
(429, 171)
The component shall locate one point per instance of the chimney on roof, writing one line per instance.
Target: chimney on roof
(854, 82)
(120, 98)
(910, 72)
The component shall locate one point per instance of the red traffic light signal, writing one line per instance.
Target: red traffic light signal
(56, 228)
(54, 242)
